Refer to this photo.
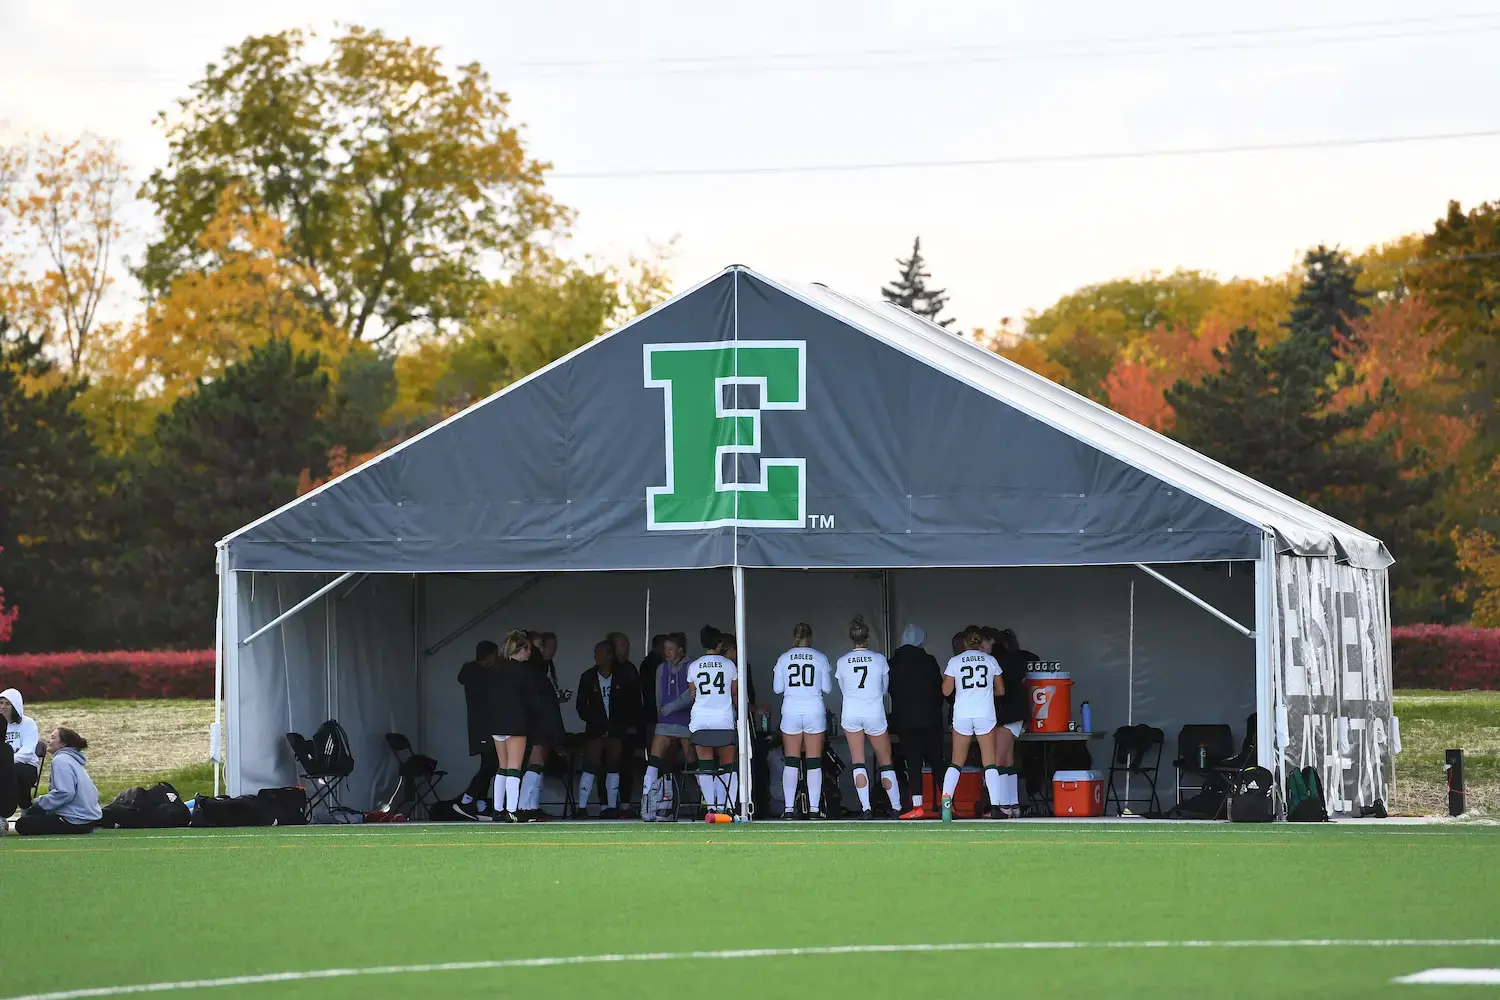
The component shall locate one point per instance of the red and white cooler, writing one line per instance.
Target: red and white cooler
(1078, 793)
(1049, 692)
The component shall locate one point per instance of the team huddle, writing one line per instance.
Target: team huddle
(973, 679)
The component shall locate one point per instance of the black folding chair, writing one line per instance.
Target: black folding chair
(418, 774)
(323, 780)
(1201, 751)
(41, 759)
(1137, 754)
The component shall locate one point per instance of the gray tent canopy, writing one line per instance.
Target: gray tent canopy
(760, 453)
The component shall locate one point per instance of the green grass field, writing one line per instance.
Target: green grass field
(116, 908)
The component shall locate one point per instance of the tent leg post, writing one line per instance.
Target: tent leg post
(216, 735)
(1265, 649)
(742, 708)
(230, 744)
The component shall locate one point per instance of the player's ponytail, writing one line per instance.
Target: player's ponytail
(802, 634)
(973, 637)
(709, 636)
(515, 641)
(859, 632)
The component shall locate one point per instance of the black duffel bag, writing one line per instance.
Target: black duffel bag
(288, 806)
(1250, 800)
(156, 808)
(225, 810)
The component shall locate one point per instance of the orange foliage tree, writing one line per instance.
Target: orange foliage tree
(1136, 386)
(8, 615)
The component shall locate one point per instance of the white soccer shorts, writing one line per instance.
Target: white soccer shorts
(871, 722)
(974, 727)
(711, 720)
(795, 723)
(1014, 727)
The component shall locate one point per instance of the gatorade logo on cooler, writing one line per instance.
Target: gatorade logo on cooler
(1041, 697)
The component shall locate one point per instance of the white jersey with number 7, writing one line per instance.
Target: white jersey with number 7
(864, 677)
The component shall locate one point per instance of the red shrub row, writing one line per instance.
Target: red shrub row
(123, 674)
(1446, 657)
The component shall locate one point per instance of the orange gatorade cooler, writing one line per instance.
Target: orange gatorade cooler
(1049, 692)
(1078, 793)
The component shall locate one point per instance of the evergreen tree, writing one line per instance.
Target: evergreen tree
(910, 291)
(1269, 413)
(54, 497)
(221, 457)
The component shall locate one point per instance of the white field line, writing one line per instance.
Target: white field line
(706, 956)
(1452, 977)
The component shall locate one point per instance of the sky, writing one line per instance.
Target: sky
(617, 89)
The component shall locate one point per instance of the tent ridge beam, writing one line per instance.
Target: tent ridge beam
(294, 609)
(1174, 585)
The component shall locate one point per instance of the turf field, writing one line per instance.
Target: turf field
(1119, 910)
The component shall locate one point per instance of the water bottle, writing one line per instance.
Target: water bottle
(1088, 718)
(1203, 756)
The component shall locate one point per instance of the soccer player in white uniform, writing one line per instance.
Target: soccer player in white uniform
(714, 680)
(802, 678)
(973, 677)
(864, 677)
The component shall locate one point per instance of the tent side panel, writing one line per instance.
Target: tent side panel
(1335, 678)
(374, 689)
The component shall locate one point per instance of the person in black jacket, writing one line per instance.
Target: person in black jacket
(1010, 714)
(917, 712)
(609, 703)
(512, 708)
(475, 676)
(548, 733)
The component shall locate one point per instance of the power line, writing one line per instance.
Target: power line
(1021, 160)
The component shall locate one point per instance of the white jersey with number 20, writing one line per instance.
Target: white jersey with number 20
(713, 701)
(973, 674)
(802, 678)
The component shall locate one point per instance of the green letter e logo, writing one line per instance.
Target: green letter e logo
(701, 429)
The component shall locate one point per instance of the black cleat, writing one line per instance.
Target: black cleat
(608, 813)
(866, 814)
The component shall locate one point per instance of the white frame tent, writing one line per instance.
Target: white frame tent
(848, 440)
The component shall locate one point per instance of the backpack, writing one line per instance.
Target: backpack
(1304, 797)
(331, 755)
(1250, 800)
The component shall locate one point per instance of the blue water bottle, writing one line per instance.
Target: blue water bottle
(1088, 718)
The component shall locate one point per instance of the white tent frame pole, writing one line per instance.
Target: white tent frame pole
(294, 609)
(742, 707)
(1174, 585)
(231, 604)
(1265, 649)
(216, 734)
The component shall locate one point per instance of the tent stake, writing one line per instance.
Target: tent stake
(1174, 585)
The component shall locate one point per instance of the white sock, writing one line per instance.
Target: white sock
(466, 799)
(706, 783)
(585, 789)
(992, 784)
(916, 801)
(531, 789)
(734, 788)
(612, 789)
(512, 792)
(950, 781)
(1010, 790)
(893, 790)
(815, 786)
(499, 792)
(789, 786)
(648, 786)
(863, 790)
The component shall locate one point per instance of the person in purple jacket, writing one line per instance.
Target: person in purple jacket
(674, 700)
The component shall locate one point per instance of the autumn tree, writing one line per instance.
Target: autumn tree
(55, 497)
(910, 291)
(1273, 413)
(395, 181)
(65, 201)
(1151, 364)
(221, 457)
(8, 615)
(1479, 552)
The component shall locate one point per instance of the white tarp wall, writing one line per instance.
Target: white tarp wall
(347, 656)
(1334, 678)
(365, 671)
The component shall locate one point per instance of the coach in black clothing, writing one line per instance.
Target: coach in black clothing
(609, 703)
(477, 676)
(916, 690)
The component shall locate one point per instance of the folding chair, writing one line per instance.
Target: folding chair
(1137, 754)
(323, 781)
(41, 759)
(418, 773)
(1217, 744)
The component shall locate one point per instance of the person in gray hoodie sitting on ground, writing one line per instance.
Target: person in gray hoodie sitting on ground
(72, 803)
